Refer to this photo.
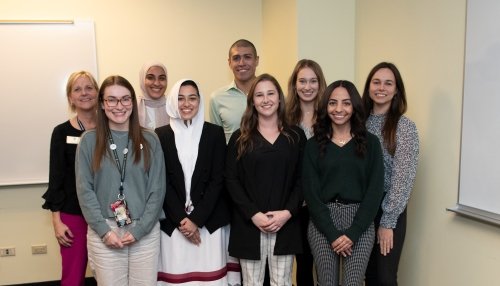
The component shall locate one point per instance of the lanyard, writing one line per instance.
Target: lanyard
(121, 168)
(82, 128)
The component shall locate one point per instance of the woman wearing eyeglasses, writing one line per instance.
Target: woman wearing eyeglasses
(120, 174)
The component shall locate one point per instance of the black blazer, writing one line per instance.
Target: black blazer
(207, 185)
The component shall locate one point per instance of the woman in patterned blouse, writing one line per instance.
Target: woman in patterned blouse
(385, 103)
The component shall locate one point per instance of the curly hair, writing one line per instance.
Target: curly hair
(323, 128)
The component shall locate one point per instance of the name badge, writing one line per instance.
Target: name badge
(72, 140)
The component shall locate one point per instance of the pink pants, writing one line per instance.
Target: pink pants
(74, 258)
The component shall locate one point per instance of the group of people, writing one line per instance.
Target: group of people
(152, 194)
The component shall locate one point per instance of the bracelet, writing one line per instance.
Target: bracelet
(106, 236)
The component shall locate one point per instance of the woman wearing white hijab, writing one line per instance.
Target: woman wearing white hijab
(153, 81)
(195, 234)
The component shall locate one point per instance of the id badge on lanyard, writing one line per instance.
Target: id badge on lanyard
(119, 207)
(120, 210)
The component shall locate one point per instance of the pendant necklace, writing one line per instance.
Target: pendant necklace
(342, 142)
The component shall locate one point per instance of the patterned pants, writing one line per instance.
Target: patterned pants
(328, 262)
(280, 266)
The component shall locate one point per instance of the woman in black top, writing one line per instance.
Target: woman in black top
(69, 225)
(263, 180)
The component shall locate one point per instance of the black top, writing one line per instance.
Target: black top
(266, 178)
(61, 193)
(207, 183)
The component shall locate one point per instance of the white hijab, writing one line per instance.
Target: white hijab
(187, 137)
(151, 111)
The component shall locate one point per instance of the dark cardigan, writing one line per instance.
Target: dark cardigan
(266, 178)
(207, 185)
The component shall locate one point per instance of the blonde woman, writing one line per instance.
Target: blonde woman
(69, 225)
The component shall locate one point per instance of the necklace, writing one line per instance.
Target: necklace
(342, 142)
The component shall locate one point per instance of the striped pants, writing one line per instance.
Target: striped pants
(280, 266)
(328, 262)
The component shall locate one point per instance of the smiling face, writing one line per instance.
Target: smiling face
(382, 90)
(83, 94)
(117, 105)
(189, 102)
(243, 62)
(307, 84)
(155, 82)
(340, 107)
(266, 99)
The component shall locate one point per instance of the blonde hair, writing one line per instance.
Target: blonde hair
(71, 81)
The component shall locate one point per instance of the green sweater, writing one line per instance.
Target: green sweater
(341, 173)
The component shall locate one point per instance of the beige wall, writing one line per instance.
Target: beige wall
(323, 31)
(279, 45)
(326, 34)
(424, 38)
(192, 38)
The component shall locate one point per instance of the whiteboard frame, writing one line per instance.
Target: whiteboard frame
(477, 177)
(70, 39)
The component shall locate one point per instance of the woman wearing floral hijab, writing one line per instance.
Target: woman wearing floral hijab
(195, 234)
(153, 80)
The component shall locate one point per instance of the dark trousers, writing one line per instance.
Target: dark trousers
(267, 278)
(383, 270)
(304, 261)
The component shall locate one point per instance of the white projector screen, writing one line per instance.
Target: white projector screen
(479, 193)
(36, 58)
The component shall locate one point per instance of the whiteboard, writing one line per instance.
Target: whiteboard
(35, 61)
(479, 193)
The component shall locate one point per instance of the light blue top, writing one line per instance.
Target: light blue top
(227, 105)
(144, 191)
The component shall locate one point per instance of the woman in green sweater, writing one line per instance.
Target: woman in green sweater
(343, 177)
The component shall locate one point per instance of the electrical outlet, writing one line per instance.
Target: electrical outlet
(7, 251)
(39, 249)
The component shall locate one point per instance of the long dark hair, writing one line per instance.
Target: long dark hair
(250, 118)
(134, 130)
(396, 110)
(323, 130)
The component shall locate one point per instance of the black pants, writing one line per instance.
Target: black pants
(383, 270)
(304, 261)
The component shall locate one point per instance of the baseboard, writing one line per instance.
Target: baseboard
(89, 281)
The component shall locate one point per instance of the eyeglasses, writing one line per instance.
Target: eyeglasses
(113, 102)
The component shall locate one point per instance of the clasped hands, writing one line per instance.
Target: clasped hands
(272, 221)
(342, 245)
(190, 231)
(112, 240)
